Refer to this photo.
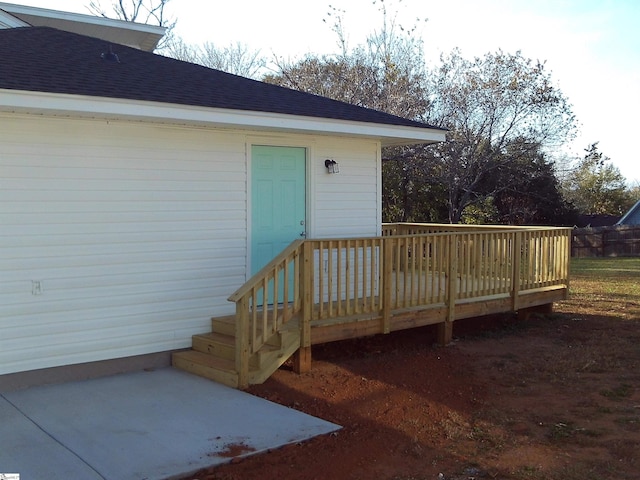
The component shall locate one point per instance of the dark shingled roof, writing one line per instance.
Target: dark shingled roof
(44, 59)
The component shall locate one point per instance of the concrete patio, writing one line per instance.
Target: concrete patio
(144, 425)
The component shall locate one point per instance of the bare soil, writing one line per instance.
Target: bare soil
(552, 397)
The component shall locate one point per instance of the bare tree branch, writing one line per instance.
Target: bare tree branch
(141, 11)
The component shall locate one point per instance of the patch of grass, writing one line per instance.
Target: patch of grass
(454, 426)
(619, 393)
(584, 471)
(631, 423)
(617, 277)
(610, 266)
(561, 431)
(590, 432)
(624, 449)
(605, 287)
(485, 439)
(528, 472)
(565, 431)
(604, 410)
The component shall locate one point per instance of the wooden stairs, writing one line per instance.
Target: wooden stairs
(213, 354)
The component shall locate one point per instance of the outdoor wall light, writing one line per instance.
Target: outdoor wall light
(332, 166)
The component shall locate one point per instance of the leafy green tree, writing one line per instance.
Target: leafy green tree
(634, 192)
(596, 187)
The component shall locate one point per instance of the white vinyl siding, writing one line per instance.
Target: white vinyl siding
(347, 204)
(136, 233)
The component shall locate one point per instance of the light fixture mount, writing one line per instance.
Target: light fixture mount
(332, 166)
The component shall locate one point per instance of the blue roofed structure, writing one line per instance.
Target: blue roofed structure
(632, 217)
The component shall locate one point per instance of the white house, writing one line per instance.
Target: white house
(137, 192)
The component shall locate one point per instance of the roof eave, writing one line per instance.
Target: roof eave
(114, 108)
(630, 213)
(9, 21)
(137, 35)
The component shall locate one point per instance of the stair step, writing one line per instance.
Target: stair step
(217, 344)
(273, 362)
(223, 346)
(213, 354)
(222, 370)
(214, 368)
(225, 325)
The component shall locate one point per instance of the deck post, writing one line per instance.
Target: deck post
(515, 275)
(445, 329)
(445, 333)
(242, 342)
(302, 358)
(566, 258)
(387, 271)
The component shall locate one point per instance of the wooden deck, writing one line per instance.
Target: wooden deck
(414, 275)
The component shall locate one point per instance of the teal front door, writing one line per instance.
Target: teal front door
(278, 201)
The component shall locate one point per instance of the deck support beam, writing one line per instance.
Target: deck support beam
(302, 360)
(445, 333)
(302, 357)
(544, 309)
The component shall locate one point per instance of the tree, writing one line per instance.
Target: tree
(634, 192)
(597, 187)
(489, 104)
(235, 58)
(141, 11)
(531, 192)
(387, 73)
(409, 191)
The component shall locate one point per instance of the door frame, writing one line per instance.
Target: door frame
(308, 188)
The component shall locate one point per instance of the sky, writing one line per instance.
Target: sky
(590, 47)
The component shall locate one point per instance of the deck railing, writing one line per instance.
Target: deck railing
(410, 266)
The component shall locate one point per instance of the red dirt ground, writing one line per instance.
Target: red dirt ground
(554, 397)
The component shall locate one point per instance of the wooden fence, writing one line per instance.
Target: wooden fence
(613, 241)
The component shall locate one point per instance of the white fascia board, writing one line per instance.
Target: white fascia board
(9, 21)
(46, 13)
(115, 108)
(137, 35)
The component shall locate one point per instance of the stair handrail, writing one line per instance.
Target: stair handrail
(255, 324)
(259, 276)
